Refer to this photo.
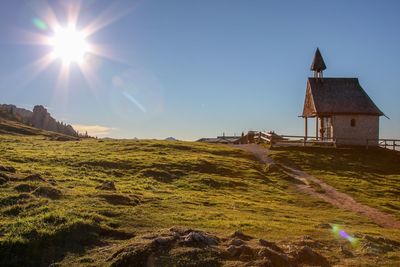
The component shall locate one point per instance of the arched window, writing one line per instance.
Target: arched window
(353, 123)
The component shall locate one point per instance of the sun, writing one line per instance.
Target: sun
(69, 45)
(69, 41)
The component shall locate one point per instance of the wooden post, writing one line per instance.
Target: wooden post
(316, 127)
(305, 130)
(394, 145)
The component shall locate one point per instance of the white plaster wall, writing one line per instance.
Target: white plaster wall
(367, 127)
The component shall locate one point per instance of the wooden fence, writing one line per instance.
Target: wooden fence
(298, 140)
(393, 144)
(291, 140)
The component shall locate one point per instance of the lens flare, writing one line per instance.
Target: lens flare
(40, 24)
(338, 232)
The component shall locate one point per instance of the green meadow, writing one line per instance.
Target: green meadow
(52, 209)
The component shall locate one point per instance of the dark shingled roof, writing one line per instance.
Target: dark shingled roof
(328, 96)
(318, 63)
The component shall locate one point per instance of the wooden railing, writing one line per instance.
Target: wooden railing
(298, 140)
(393, 144)
(291, 140)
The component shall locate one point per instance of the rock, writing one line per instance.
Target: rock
(38, 118)
(108, 185)
(307, 256)
(41, 119)
(239, 234)
(379, 245)
(346, 252)
(233, 250)
(7, 169)
(49, 192)
(236, 242)
(246, 252)
(178, 231)
(271, 245)
(276, 258)
(200, 239)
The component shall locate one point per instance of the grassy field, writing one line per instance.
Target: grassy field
(64, 218)
(370, 176)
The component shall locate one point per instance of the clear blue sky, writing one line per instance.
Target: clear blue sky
(192, 69)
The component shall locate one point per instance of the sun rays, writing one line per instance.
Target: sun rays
(67, 40)
(63, 33)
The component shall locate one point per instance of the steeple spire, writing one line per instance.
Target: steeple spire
(318, 64)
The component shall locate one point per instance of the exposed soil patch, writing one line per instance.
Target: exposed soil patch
(35, 178)
(25, 188)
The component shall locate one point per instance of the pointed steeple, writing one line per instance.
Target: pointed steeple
(318, 64)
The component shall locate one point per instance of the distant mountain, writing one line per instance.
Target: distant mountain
(38, 118)
(171, 139)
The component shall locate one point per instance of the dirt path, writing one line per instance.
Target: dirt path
(328, 193)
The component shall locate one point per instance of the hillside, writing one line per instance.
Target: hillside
(39, 118)
(137, 203)
(17, 128)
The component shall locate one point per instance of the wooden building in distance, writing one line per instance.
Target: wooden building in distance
(342, 109)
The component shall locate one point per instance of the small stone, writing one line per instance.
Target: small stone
(236, 242)
(271, 245)
(199, 238)
(233, 250)
(239, 234)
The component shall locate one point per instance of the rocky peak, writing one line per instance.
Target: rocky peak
(39, 118)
